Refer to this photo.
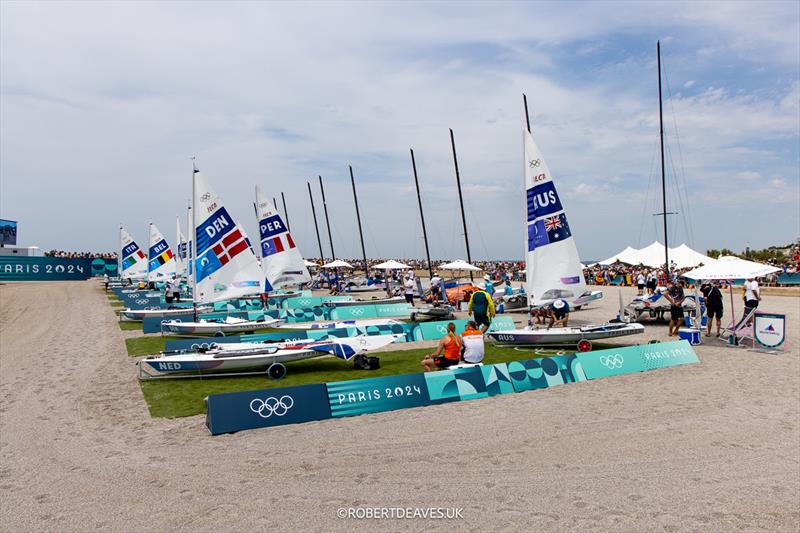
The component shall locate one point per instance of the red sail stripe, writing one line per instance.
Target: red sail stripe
(231, 238)
(289, 240)
(278, 244)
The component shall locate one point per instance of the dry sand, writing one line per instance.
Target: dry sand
(707, 447)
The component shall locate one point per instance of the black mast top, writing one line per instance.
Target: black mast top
(316, 226)
(663, 168)
(327, 221)
(358, 218)
(285, 212)
(527, 118)
(461, 200)
(421, 215)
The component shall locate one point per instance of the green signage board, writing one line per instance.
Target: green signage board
(22, 268)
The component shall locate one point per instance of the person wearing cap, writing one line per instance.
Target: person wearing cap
(559, 314)
(436, 288)
(488, 286)
(481, 307)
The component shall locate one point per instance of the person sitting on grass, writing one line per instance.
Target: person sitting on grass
(451, 345)
(558, 313)
(472, 339)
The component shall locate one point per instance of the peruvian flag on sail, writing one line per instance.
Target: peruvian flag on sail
(281, 259)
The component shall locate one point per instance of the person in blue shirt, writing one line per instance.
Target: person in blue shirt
(508, 290)
(488, 286)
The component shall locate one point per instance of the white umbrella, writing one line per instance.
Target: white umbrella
(728, 267)
(338, 263)
(391, 265)
(459, 265)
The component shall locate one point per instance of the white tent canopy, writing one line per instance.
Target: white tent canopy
(391, 265)
(338, 263)
(310, 263)
(459, 265)
(653, 256)
(729, 267)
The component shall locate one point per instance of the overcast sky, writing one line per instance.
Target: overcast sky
(102, 105)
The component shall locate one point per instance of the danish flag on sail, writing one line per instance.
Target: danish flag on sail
(230, 246)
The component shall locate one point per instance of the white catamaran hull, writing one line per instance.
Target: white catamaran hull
(210, 327)
(255, 357)
(563, 336)
(141, 314)
(341, 324)
(374, 301)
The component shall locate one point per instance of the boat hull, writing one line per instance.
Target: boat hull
(216, 328)
(563, 336)
(376, 301)
(140, 314)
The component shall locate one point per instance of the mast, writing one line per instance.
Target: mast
(358, 218)
(421, 215)
(316, 226)
(327, 221)
(285, 212)
(461, 200)
(119, 254)
(527, 117)
(192, 251)
(663, 168)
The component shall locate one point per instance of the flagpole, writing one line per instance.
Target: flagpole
(192, 248)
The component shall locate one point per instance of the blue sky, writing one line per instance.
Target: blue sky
(101, 106)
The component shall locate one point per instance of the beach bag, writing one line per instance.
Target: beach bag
(363, 362)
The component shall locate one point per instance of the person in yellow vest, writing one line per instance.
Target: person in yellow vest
(481, 307)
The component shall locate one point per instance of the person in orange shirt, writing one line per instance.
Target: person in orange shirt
(450, 344)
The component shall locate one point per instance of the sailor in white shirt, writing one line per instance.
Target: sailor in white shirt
(473, 343)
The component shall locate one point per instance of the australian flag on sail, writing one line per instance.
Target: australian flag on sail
(273, 240)
(218, 242)
(548, 230)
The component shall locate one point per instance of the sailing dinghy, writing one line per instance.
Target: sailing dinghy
(553, 267)
(161, 260)
(362, 323)
(223, 264)
(251, 357)
(133, 262)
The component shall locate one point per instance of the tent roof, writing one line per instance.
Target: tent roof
(391, 264)
(653, 256)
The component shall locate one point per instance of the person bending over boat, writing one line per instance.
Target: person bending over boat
(448, 352)
(481, 307)
(559, 314)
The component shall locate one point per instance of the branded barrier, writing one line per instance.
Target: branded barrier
(22, 268)
(411, 331)
(769, 329)
(237, 411)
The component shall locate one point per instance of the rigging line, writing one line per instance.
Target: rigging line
(647, 195)
(480, 233)
(683, 198)
(682, 175)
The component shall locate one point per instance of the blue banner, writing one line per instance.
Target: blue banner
(543, 200)
(235, 411)
(374, 395)
(23, 268)
(624, 360)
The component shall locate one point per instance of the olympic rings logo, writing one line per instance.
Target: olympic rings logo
(206, 197)
(441, 329)
(612, 361)
(357, 311)
(141, 302)
(271, 406)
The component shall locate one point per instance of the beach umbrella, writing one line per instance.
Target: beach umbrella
(727, 267)
(459, 265)
(391, 265)
(338, 264)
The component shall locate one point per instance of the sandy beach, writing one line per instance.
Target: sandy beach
(707, 447)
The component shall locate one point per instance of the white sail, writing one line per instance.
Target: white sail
(133, 262)
(225, 267)
(161, 260)
(281, 259)
(553, 266)
(181, 257)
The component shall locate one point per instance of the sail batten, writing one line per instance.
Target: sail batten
(553, 267)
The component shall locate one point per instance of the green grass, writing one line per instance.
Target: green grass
(147, 345)
(184, 397)
(129, 325)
